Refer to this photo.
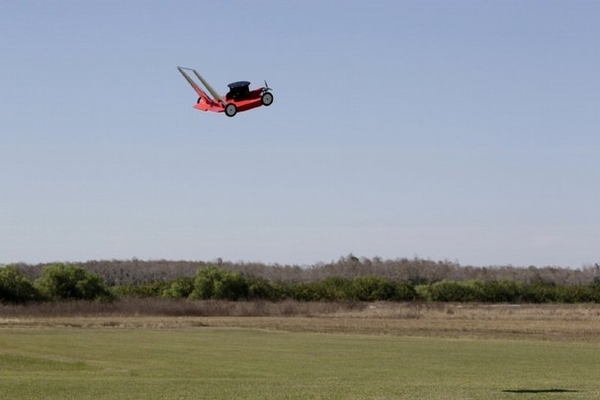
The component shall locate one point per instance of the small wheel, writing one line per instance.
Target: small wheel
(199, 100)
(230, 110)
(267, 99)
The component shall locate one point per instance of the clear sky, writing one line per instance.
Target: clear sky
(458, 130)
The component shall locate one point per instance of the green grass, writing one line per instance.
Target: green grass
(218, 363)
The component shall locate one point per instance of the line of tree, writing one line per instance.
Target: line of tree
(64, 282)
(414, 270)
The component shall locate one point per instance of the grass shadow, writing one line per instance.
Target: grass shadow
(540, 391)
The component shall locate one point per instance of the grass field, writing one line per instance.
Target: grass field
(498, 353)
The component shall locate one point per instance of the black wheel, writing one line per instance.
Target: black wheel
(230, 110)
(267, 99)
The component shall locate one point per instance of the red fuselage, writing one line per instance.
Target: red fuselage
(247, 102)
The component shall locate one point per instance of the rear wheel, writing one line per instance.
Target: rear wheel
(230, 110)
(267, 99)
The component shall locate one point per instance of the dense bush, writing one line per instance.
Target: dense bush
(16, 288)
(262, 289)
(150, 289)
(215, 283)
(67, 282)
(579, 294)
(539, 293)
(180, 288)
(508, 292)
(406, 291)
(329, 289)
(372, 288)
(499, 292)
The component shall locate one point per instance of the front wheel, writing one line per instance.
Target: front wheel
(230, 110)
(267, 99)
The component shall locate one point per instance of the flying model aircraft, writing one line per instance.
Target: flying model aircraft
(239, 97)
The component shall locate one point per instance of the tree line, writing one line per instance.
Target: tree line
(414, 270)
(66, 282)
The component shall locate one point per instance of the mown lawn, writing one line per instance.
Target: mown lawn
(224, 363)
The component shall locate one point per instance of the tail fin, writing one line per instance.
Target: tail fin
(209, 88)
(203, 95)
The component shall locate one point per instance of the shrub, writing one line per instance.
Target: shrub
(578, 294)
(180, 288)
(66, 282)
(307, 291)
(262, 289)
(540, 293)
(372, 288)
(282, 290)
(151, 289)
(481, 291)
(501, 292)
(328, 289)
(215, 283)
(15, 288)
(451, 291)
(405, 291)
(334, 289)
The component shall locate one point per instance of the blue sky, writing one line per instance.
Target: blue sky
(463, 130)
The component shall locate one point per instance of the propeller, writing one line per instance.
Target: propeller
(266, 88)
